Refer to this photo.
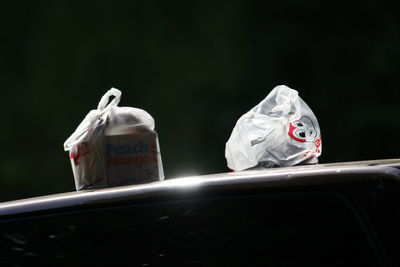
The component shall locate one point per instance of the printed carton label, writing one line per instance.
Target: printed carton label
(131, 158)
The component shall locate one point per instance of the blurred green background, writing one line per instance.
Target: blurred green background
(196, 66)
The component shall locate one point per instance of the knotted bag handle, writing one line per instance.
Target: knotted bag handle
(90, 119)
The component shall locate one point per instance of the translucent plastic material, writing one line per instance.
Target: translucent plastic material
(280, 131)
(114, 146)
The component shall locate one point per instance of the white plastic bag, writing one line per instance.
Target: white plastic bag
(114, 146)
(280, 131)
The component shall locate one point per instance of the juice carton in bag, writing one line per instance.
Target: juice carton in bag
(114, 146)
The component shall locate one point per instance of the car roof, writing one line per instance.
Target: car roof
(274, 177)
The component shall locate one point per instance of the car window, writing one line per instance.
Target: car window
(313, 229)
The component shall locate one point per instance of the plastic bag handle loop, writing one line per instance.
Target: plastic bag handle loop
(104, 100)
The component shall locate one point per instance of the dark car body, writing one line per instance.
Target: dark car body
(341, 214)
